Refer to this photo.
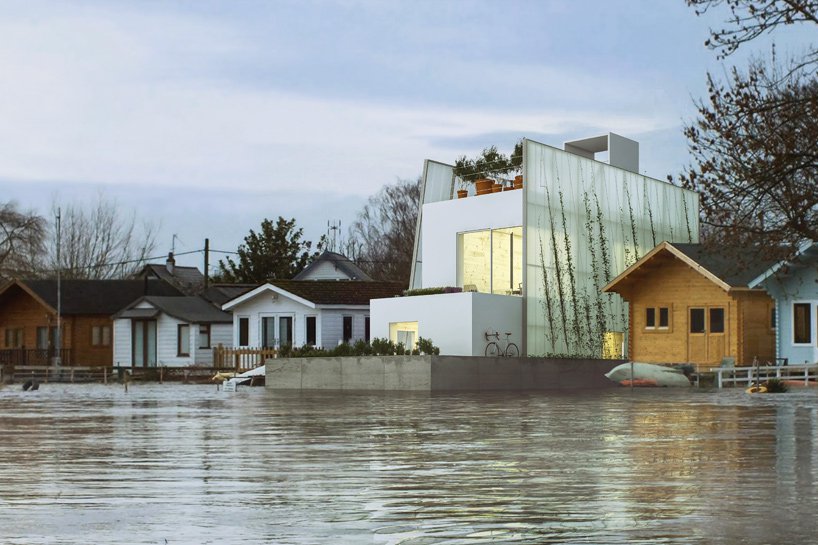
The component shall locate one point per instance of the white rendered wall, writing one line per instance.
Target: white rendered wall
(454, 322)
(443, 220)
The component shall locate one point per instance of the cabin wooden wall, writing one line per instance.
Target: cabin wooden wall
(668, 282)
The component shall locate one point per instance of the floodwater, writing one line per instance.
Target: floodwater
(189, 464)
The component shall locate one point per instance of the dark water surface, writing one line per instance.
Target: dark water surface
(187, 464)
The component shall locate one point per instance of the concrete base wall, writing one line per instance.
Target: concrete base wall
(437, 373)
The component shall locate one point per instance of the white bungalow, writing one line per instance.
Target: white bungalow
(169, 331)
(320, 313)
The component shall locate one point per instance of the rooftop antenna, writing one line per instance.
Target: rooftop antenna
(332, 231)
(173, 243)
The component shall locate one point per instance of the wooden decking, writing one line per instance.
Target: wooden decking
(747, 376)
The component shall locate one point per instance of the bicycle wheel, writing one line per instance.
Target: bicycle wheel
(492, 349)
(512, 351)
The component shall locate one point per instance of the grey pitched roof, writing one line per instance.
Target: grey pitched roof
(730, 270)
(340, 262)
(192, 309)
(188, 279)
(96, 296)
(219, 294)
(340, 292)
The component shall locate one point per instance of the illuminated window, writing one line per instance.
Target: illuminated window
(404, 332)
(613, 345)
(491, 261)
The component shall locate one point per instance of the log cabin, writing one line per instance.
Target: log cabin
(689, 304)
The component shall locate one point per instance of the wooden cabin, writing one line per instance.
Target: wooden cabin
(28, 319)
(689, 304)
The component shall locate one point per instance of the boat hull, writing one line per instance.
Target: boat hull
(648, 374)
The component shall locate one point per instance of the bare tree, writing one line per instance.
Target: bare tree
(754, 143)
(384, 232)
(100, 241)
(22, 241)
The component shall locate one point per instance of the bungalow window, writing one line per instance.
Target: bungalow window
(772, 318)
(311, 329)
(802, 323)
(14, 337)
(244, 331)
(347, 328)
(366, 329)
(204, 336)
(697, 320)
(716, 320)
(650, 318)
(101, 335)
(183, 340)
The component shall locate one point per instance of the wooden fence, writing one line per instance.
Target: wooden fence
(241, 359)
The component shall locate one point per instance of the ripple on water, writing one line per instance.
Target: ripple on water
(82, 463)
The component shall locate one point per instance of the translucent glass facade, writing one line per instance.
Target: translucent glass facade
(437, 185)
(584, 223)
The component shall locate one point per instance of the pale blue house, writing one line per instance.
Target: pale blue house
(793, 284)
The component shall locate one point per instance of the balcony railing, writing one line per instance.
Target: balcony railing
(34, 356)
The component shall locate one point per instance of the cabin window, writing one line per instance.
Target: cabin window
(204, 336)
(347, 328)
(366, 329)
(14, 337)
(244, 331)
(697, 320)
(311, 329)
(772, 318)
(802, 323)
(46, 337)
(664, 317)
(716, 320)
(101, 335)
(183, 340)
(650, 318)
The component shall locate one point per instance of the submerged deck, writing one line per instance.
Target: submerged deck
(747, 376)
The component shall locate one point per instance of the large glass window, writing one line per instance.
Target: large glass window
(491, 261)
(802, 323)
(716, 320)
(404, 332)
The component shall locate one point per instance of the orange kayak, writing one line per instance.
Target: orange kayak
(639, 383)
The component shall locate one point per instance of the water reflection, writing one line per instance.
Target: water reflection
(192, 465)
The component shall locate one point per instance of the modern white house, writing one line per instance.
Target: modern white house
(320, 313)
(793, 285)
(158, 331)
(532, 261)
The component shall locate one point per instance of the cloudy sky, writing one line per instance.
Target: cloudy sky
(209, 116)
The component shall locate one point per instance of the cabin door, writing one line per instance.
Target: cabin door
(706, 335)
(143, 341)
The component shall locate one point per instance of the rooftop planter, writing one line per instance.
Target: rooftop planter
(489, 171)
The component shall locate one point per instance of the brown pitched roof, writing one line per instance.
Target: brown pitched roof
(94, 296)
(340, 292)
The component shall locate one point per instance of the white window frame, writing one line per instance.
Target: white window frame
(812, 333)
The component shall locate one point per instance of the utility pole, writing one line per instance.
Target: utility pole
(207, 263)
(58, 336)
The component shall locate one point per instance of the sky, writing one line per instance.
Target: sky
(206, 117)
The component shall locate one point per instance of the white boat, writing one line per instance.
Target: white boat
(253, 376)
(647, 374)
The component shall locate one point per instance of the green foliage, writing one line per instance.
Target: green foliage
(378, 347)
(431, 291)
(489, 164)
(776, 386)
(276, 252)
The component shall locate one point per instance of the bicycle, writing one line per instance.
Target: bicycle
(493, 347)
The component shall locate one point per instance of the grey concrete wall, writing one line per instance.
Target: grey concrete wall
(437, 373)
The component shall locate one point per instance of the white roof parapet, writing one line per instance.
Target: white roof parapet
(622, 152)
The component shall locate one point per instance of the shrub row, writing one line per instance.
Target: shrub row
(378, 347)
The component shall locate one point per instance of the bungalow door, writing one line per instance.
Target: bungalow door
(143, 343)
